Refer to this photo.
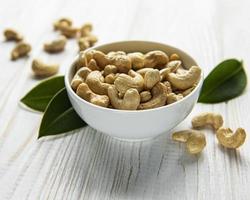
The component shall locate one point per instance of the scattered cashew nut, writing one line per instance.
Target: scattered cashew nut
(63, 22)
(12, 35)
(204, 119)
(55, 46)
(228, 139)
(21, 49)
(195, 140)
(42, 69)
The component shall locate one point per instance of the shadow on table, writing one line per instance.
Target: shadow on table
(136, 170)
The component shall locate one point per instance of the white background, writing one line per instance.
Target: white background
(90, 165)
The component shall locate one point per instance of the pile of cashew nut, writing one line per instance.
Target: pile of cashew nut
(195, 139)
(133, 81)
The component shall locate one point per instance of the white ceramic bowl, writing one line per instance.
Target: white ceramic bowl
(140, 124)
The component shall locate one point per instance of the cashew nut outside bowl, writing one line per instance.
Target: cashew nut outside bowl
(136, 124)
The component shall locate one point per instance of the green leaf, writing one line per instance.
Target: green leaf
(39, 97)
(227, 80)
(59, 116)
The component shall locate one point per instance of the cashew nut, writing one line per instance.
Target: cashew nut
(130, 101)
(21, 49)
(174, 56)
(110, 78)
(100, 58)
(151, 78)
(69, 31)
(212, 119)
(195, 140)
(133, 80)
(137, 60)
(55, 46)
(42, 69)
(145, 96)
(158, 99)
(228, 139)
(12, 35)
(172, 66)
(63, 22)
(85, 92)
(95, 81)
(155, 59)
(110, 69)
(172, 98)
(93, 65)
(86, 29)
(168, 85)
(187, 80)
(80, 77)
(86, 42)
(122, 62)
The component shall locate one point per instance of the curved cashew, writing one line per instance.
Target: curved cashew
(21, 49)
(110, 69)
(100, 58)
(63, 22)
(83, 43)
(130, 101)
(205, 119)
(85, 92)
(155, 59)
(80, 77)
(195, 140)
(44, 70)
(55, 46)
(187, 80)
(172, 66)
(159, 98)
(110, 78)
(151, 78)
(95, 81)
(12, 35)
(172, 98)
(137, 60)
(133, 80)
(86, 29)
(145, 96)
(228, 139)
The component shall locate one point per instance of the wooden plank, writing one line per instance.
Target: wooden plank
(90, 165)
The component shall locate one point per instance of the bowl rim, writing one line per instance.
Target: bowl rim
(69, 89)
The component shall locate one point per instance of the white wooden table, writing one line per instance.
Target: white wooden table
(90, 165)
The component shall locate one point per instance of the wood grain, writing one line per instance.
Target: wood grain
(90, 165)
